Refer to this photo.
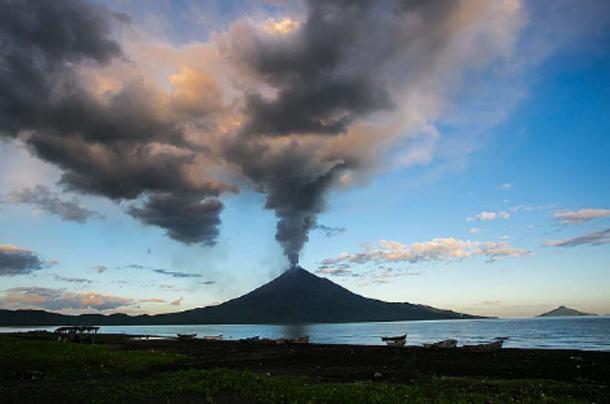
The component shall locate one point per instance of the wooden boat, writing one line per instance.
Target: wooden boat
(186, 336)
(299, 341)
(213, 337)
(489, 347)
(395, 341)
(445, 344)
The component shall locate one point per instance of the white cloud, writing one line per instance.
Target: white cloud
(474, 230)
(580, 216)
(435, 250)
(506, 186)
(485, 216)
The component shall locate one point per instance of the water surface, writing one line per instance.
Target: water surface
(590, 333)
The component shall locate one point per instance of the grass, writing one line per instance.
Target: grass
(21, 356)
(96, 374)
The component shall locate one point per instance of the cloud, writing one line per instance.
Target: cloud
(189, 219)
(20, 261)
(338, 271)
(330, 231)
(69, 91)
(207, 283)
(100, 268)
(177, 302)
(153, 300)
(506, 186)
(580, 216)
(592, 239)
(42, 198)
(474, 230)
(177, 274)
(485, 216)
(291, 108)
(435, 250)
(72, 280)
(135, 266)
(57, 299)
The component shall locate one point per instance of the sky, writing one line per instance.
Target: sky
(164, 155)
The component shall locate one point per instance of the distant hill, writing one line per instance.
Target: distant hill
(563, 311)
(296, 296)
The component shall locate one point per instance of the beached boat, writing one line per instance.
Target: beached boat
(213, 337)
(489, 347)
(300, 341)
(186, 336)
(395, 341)
(445, 344)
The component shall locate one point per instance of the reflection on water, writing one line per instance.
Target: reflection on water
(562, 333)
(295, 330)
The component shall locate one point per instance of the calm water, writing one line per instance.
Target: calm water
(592, 333)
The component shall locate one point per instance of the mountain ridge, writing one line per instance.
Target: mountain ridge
(296, 296)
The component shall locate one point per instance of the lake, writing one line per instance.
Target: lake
(589, 333)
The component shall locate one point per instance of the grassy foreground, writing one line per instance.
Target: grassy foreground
(37, 371)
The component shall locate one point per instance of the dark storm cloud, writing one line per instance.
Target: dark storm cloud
(42, 198)
(187, 218)
(19, 261)
(119, 145)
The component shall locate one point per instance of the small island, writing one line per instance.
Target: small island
(563, 311)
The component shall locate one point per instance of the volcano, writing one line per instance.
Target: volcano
(296, 296)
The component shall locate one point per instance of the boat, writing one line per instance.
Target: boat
(249, 339)
(300, 341)
(445, 344)
(213, 337)
(395, 341)
(488, 347)
(186, 336)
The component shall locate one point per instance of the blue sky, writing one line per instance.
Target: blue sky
(517, 157)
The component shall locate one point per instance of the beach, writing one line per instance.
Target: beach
(126, 368)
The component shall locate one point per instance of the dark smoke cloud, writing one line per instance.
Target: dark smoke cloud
(42, 198)
(323, 72)
(326, 74)
(294, 183)
(118, 145)
(295, 110)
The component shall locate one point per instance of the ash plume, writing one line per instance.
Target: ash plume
(294, 112)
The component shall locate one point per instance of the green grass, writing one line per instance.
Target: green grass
(96, 374)
(215, 385)
(21, 356)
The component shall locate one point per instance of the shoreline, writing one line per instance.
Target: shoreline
(562, 364)
(119, 368)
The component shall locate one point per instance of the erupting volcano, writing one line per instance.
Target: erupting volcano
(296, 296)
